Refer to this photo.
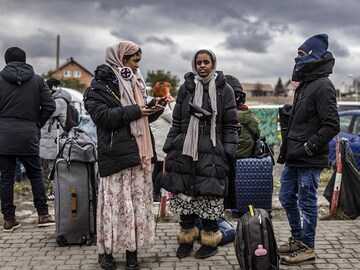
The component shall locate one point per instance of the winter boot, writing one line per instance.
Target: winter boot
(186, 238)
(107, 261)
(304, 255)
(131, 260)
(209, 242)
(290, 246)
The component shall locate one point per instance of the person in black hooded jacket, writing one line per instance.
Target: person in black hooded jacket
(26, 104)
(313, 122)
(116, 103)
(201, 140)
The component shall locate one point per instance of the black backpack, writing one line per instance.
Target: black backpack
(255, 243)
(72, 117)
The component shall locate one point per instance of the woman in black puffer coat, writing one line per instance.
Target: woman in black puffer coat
(116, 104)
(198, 147)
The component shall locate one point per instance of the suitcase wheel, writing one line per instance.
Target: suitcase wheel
(61, 241)
(87, 240)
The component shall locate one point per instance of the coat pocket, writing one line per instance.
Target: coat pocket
(295, 149)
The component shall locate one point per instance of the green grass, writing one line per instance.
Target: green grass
(22, 189)
(325, 176)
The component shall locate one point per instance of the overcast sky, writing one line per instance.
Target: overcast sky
(255, 40)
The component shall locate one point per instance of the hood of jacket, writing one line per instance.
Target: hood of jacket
(104, 76)
(60, 93)
(315, 69)
(244, 117)
(190, 81)
(17, 72)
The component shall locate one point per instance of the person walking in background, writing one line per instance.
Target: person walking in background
(25, 106)
(249, 124)
(115, 101)
(160, 128)
(200, 141)
(48, 142)
(314, 121)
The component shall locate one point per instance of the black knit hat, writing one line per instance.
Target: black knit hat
(53, 83)
(15, 54)
(234, 83)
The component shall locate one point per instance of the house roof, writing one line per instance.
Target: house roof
(252, 87)
(72, 61)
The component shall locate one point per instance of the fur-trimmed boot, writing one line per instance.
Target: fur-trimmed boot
(186, 238)
(209, 242)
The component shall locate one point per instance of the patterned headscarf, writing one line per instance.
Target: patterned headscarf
(132, 91)
(190, 147)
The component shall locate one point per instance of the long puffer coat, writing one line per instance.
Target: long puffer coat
(207, 176)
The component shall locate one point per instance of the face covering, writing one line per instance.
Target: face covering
(301, 61)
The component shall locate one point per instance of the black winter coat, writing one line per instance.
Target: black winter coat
(26, 104)
(117, 147)
(207, 176)
(314, 118)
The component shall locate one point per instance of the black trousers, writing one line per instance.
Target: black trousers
(156, 177)
(34, 172)
(189, 221)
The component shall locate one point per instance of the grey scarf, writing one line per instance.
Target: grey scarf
(190, 147)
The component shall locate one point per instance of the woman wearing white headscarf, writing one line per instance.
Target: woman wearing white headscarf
(202, 138)
(116, 103)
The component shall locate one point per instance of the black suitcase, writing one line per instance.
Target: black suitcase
(254, 184)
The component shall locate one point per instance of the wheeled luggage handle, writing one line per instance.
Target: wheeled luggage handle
(73, 202)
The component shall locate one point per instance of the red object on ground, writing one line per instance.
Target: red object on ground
(337, 184)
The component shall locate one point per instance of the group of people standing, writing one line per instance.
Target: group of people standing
(201, 145)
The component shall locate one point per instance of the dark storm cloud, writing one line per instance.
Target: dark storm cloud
(162, 41)
(252, 41)
(339, 50)
(39, 44)
(263, 28)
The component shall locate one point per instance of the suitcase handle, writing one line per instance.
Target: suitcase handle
(73, 202)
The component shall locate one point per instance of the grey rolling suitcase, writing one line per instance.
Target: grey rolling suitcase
(75, 202)
(75, 173)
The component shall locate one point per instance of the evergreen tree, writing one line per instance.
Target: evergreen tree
(279, 88)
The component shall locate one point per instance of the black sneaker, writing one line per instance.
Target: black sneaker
(51, 196)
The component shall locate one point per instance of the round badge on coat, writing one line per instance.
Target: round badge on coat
(126, 73)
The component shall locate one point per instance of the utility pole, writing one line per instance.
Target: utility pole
(57, 51)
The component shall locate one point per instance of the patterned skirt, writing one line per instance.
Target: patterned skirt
(205, 207)
(125, 219)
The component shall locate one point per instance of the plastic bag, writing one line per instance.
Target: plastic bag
(349, 196)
